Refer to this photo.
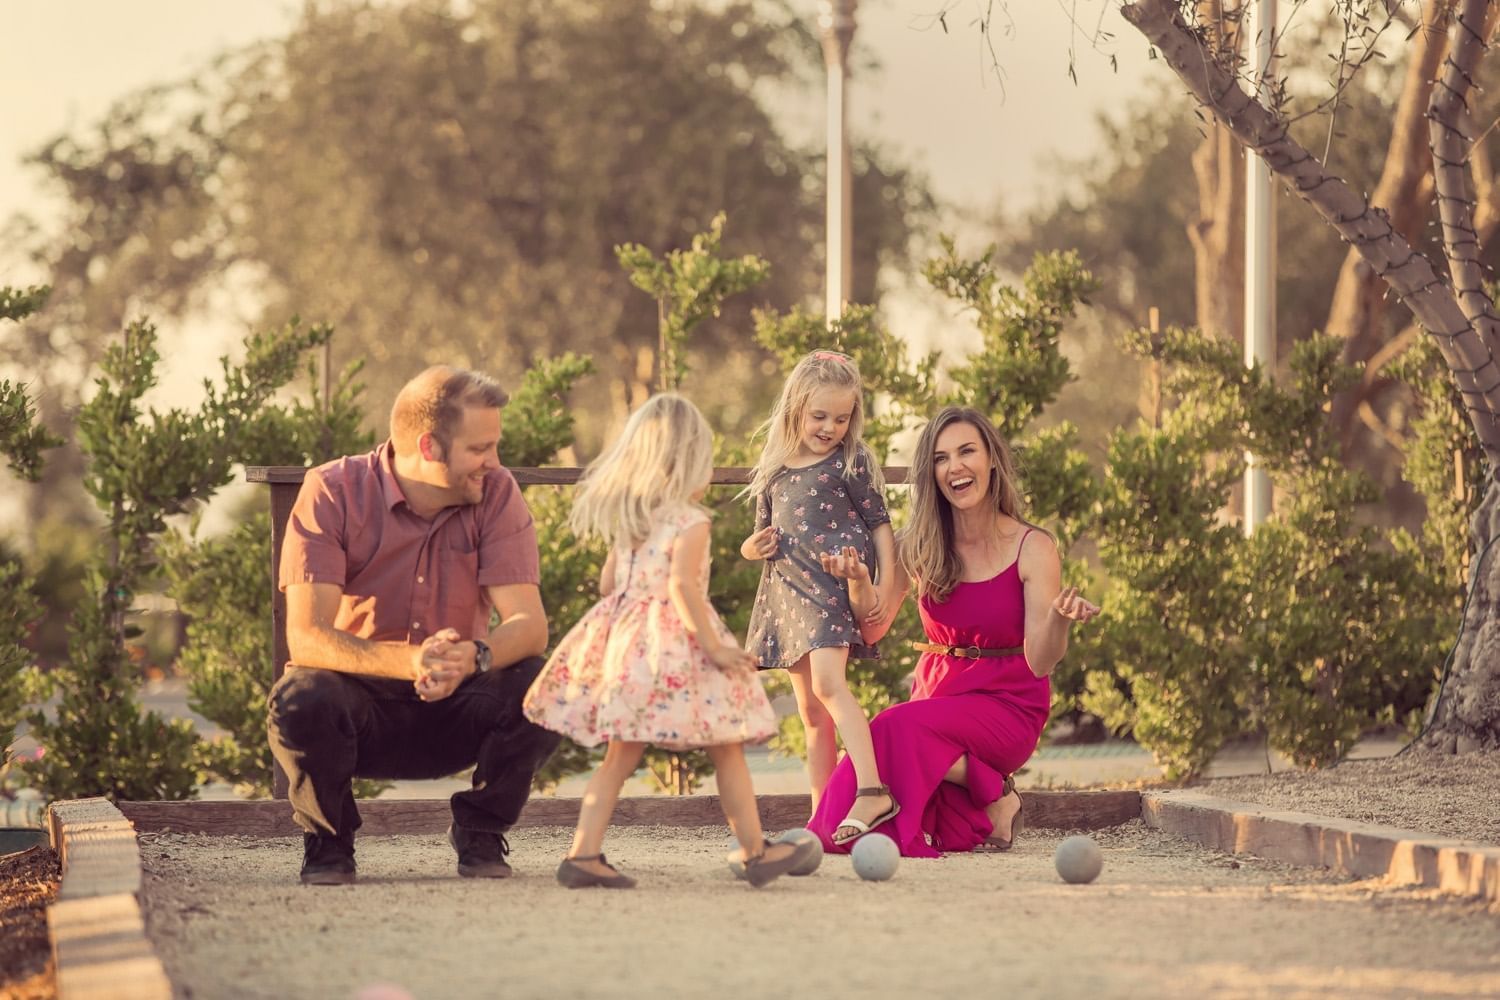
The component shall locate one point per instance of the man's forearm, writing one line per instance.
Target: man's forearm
(516, 638)
(335, 649)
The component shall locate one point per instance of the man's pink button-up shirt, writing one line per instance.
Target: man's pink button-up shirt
(405, 577)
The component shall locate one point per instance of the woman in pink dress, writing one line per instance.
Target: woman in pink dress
(989, 590)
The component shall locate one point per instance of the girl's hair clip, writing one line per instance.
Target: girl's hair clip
(832, 356)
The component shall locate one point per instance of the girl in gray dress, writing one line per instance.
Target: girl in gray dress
(817, 491)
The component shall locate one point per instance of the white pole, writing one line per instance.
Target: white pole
(1260, 260)
(836, 19)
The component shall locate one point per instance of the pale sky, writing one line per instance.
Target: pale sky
(935, 101)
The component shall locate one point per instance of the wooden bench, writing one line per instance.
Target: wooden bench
(285, 481)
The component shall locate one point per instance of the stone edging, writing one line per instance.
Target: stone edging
(1458, 867)
(99, 944)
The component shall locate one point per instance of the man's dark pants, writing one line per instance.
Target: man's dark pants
(327, 728)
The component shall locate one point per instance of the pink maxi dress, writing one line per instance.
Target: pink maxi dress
(991, 709)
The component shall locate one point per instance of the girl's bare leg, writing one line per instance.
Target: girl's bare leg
(822, 735)
(599, 798)
(827, 667)
(737, 796)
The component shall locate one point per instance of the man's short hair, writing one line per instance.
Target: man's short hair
(434, 403)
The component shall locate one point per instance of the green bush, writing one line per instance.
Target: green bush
(1309, 632)
(22, 441)
(142, 468)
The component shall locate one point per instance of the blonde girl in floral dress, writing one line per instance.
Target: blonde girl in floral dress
(651, 662)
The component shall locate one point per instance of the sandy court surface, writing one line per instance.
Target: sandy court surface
(1166, 918)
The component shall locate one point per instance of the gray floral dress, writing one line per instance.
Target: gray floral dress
(799, 607)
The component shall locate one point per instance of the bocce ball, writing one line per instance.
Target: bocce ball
(798, 836)
(733, 857)
(1078, 859)
(875, 857)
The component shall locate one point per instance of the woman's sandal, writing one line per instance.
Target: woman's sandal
(574, 876)
(761, 870)
(859, 826)
(997, 844)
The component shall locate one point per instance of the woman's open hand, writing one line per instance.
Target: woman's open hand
(1071, 605)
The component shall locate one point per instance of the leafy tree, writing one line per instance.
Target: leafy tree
(1457, 309)
(447, 183)
(690, 286)
(143, 468)
(1310, 631)
(22, 441)
(221, 584)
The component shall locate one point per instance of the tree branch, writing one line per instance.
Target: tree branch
(1410, 274)
(1450, 132)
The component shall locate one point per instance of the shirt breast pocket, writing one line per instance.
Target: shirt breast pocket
(457, 575)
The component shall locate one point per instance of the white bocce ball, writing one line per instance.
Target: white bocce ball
(875, 857)
(798, 836)
(1078, 859)
(733, 857)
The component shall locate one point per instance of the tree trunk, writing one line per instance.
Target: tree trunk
(1358, 312)
(1218, 234)
(1466, 715)
(1462, 321)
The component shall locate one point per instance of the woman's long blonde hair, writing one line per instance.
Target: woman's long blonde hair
(783, 429)
(664, 456)
(926, 543)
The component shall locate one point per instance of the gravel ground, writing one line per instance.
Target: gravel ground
(1452, 796)
(1166, 918)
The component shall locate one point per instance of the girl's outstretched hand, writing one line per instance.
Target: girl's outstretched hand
(729, 657)
(845, 564)
(1070, 605)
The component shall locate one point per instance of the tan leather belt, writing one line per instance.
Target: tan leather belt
(969, 652)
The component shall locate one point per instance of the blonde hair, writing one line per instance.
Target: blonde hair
(664, 456)
(926, 543)
(434, 403)
(783, 429)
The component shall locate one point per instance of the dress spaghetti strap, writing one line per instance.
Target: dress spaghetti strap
(1021, 546)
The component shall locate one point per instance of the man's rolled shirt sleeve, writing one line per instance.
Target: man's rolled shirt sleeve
(313, 549)
(507, 536)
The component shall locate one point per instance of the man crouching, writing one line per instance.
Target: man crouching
(392, 565)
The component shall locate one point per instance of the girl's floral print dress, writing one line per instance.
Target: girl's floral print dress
(799, 607)
(629, 670)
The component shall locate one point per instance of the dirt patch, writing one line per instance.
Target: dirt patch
(1442, 794)
(1166, 918)
(28, 883)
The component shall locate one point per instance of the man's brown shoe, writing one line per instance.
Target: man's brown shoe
(326, 860)
(480, 854)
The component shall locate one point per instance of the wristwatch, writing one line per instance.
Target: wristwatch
(481, 656)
